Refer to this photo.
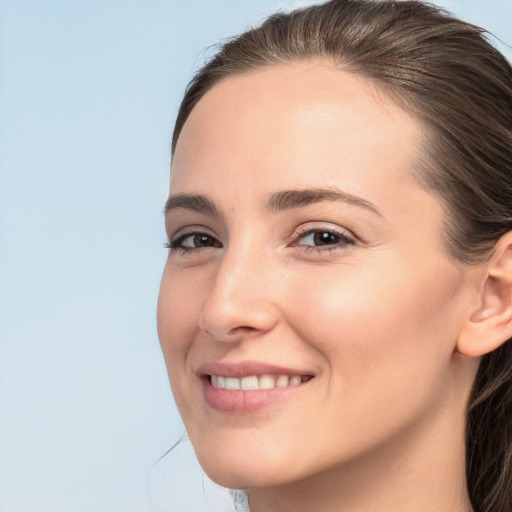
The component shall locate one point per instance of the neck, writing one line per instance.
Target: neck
(421, 469)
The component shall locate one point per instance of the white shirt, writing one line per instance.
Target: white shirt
(240, 500)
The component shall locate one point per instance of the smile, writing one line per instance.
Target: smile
(256, 382)
(246, 387)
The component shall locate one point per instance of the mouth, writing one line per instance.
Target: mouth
(248, 387)
(257, 382)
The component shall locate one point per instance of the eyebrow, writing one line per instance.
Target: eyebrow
(194, 202)
(279, 201)
(289, 199)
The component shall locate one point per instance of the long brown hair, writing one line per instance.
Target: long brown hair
(446, 73)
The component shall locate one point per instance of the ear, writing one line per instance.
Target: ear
(490, 323)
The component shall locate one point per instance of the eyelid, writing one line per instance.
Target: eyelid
(174, 241)
(346, 237)
(175, 229)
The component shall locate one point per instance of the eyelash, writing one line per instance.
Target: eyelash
(175, 244)
(344, 240)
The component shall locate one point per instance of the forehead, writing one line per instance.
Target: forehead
(308, 124)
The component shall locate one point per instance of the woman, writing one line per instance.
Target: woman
(337, 302)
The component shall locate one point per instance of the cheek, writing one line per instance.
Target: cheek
(382, 337)
(177, 319)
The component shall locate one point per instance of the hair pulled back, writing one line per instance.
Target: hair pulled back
(445, 73)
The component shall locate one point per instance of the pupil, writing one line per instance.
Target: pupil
(202, 240)
(325, 238)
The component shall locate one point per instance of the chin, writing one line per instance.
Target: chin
(238, 476)
(245, 470)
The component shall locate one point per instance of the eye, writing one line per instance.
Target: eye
(193, 241)
(323, 239)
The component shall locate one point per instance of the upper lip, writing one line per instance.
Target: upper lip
(241, 369)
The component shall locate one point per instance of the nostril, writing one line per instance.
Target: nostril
(243, 329)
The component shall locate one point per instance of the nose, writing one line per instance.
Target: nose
(239, 303)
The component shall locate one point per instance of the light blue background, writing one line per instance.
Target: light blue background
(89, 92)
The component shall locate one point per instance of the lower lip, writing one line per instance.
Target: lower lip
(246, 401)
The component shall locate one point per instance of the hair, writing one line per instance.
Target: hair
(444, 72)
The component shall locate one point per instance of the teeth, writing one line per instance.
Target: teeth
(266, 382)
(249, 382)
(282, 381)
(232, 383)
(295, 380)
(254, 382)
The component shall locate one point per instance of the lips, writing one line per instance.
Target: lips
(244, 387)
(248, 368)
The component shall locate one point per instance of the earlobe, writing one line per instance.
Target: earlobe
(490, 324)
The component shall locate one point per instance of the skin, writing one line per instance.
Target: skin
(376, 321)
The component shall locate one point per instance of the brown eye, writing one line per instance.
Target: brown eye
(198, 240)
(325, 238)
(192, 241)
(319, 238)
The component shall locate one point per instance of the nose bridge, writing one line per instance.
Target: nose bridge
(240, 266)
(239, 300)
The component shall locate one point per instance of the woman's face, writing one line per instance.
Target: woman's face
(307, 265)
